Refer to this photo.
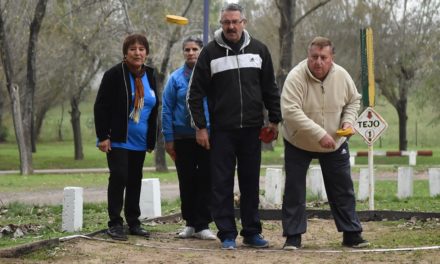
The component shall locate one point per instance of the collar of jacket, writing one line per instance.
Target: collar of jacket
(309, 73)
(218, 38)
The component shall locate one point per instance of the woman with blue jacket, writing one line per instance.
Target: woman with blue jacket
(191, 159)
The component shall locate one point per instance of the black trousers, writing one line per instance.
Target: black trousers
(125, 174)
(338, 184)
(229, 148)
(192, 164)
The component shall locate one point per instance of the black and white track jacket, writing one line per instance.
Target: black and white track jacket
(238, 86)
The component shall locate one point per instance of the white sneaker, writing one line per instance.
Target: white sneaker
(187, 232)
(205, 234)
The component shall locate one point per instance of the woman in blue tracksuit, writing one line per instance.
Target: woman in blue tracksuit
(191, 159)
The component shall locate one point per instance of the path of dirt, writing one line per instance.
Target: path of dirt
(321, 245)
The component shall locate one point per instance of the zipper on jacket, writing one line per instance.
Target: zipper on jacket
(323, 104)
(241, 92)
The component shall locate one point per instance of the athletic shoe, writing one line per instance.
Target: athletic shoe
(292, 242)
(117, 233)
(205, 234)
(139, 231)
(187, 232)
(255, 241)
(229, 244)
(354, 240)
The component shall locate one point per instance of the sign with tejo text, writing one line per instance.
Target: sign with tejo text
(370, 125)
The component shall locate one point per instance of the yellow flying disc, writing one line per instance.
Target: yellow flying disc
(344, 132)
(177, 19)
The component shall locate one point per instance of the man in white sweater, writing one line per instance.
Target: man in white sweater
(318, 98)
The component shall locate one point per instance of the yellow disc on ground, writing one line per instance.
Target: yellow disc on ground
(177, 19)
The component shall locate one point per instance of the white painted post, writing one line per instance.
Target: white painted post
(317, 183)
(352, 160)
(72, 209)
(364, 190)
(434, 181)
(273, 186)
(412, 158)
(404, 182)
(149, 202)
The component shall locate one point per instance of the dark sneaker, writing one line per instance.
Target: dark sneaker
(292, 242)
(139, 231)
(229, 244)
(117, 233)
(354, 240)
(255, 241)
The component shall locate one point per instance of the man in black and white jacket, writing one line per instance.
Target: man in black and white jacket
(235, 73)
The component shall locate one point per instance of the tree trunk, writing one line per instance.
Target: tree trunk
(3, 130)
(75, 119)
(60, 124)
(401, 108)
(160, 153)
(14, 95)
(23, 148)
(286, 9)
(28, 114)
(39, 118)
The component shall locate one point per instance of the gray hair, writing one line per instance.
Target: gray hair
(234, 7)
(196, 40)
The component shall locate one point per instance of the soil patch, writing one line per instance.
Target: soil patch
(321, 244)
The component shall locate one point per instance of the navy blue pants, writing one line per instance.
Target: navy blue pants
(192, 164)
(229, 148)
(125, 174)
(338, 184)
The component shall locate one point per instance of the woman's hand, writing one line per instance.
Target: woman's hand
(105, 146)
(169, 148)
(202, 138)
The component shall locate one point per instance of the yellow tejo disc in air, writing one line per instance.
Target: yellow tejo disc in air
(177, 19)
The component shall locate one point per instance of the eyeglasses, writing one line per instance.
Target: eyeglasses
(230, 22)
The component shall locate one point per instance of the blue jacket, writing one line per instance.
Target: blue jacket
(176, 121)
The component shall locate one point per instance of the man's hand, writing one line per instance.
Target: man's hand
(347, 125)
(327, 142)
(105, 146)
(169, 148)
(274, 128)
(202, 138)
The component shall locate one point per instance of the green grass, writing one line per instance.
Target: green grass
(385, 198)
(47, 220)
(40, 182)
(59, 155)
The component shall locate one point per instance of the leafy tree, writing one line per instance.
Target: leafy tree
(23, 118)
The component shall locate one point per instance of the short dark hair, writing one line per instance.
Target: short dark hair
(234, 7)
(322, 42)
(135, 38)
(196, 40)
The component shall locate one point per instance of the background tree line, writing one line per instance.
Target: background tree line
(53, 52)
